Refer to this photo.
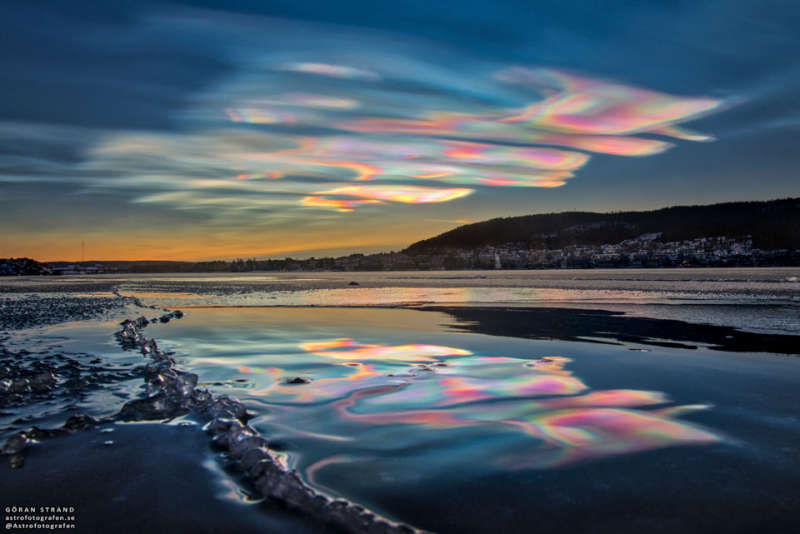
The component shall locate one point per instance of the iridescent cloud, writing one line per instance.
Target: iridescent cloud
(305, 100)
(256, 115)
(296, 114)
(376, 194)
(274, 175)
(587, 106)
(342, 205)
(495, 146)
(336, 71)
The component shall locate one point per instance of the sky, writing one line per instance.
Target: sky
(214, 130)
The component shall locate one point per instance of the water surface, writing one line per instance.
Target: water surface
(403, 411)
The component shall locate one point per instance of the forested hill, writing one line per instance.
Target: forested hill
(773, 224)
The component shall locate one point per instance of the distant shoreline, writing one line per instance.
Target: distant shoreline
(297, 266)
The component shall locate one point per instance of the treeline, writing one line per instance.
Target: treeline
(22, 267)
(772, 224)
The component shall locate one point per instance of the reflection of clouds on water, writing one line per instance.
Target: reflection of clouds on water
(438, 388)
(349, 350)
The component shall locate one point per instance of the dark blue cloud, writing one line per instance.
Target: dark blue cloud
(93, 66)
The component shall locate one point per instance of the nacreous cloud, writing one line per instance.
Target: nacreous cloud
(376, 194)
(344, 109)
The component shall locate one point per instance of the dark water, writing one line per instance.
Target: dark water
(424, 417)
(142, 477)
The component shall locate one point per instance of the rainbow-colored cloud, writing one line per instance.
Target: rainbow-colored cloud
(378, 194)
(308, 128)
(541, 143)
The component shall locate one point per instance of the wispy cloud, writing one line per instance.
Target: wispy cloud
(295, 114)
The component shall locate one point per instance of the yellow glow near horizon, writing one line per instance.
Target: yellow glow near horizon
(203, 245)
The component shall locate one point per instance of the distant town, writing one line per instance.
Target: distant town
(732, 234)
(645, 251)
